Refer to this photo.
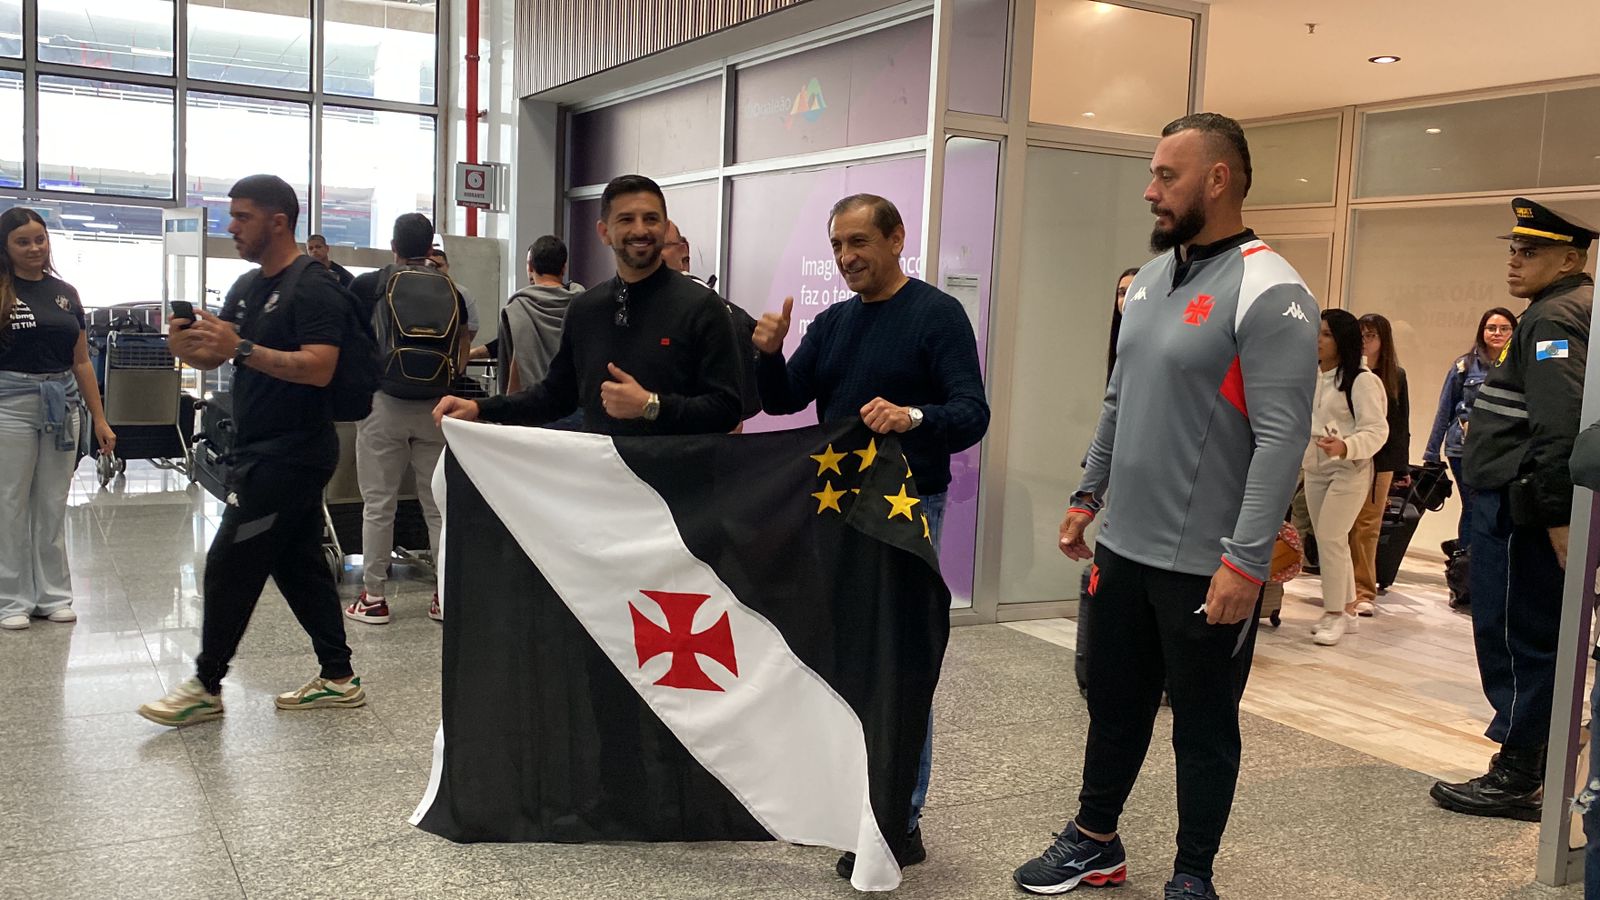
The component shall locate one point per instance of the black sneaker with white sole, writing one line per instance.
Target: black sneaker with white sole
(1073, 861)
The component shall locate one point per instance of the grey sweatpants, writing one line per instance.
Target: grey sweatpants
(34, 479)
(398, 433)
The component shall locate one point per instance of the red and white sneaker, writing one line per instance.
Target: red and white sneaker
(374, 612)
(434, 611)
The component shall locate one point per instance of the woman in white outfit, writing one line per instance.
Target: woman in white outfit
(1348, 426)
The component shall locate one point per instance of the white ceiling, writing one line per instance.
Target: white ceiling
(1261, 62)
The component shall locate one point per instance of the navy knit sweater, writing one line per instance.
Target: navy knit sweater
(913, 349)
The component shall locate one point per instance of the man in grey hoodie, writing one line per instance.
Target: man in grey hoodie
(530, 324)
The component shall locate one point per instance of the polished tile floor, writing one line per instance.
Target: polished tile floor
(98, 803)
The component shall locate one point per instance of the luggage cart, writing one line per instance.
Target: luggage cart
(140, 385)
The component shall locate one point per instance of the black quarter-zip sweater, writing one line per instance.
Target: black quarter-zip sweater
(678, 342)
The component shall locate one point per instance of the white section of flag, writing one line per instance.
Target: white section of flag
(437, 771)
(777, 736)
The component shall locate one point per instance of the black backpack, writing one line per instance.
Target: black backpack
(417, 324)
(355, 378)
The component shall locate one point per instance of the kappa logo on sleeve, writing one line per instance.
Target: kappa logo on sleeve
(1550, 350)
(1295, 312)
(1138, 295)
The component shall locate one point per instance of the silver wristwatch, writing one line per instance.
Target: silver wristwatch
(916, 418)
(652, 408)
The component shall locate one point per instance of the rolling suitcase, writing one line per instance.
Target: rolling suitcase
(1400, 520)
(214, 443)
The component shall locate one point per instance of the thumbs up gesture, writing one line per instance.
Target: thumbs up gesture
(773, 328)
(622, 396)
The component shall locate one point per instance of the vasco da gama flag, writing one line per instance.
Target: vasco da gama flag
(720, 637)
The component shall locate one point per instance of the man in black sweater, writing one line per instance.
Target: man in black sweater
(901, 354)
(647, 352)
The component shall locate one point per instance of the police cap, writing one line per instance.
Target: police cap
(1540, 225)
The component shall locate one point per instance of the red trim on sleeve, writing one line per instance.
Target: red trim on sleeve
(1251, 578)
(1258, 250)
(1087, 512)
(1233, 388)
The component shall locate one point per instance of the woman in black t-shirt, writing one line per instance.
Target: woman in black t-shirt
(44, 370)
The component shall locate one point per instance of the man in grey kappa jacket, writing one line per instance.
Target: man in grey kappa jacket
(1199, 443)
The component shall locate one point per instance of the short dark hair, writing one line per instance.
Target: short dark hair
(1225, 136)
(413, 236)
(884, 213)
(547, 256)
(629, 184)
(315, 237)
(439, 252)
(269, 192)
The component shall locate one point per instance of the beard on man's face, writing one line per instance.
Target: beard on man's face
(1184, 229)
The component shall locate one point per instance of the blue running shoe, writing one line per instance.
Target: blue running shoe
(1188, 887)
(1071, 861)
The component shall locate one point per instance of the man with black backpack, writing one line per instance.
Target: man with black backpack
(283, 325)
(420, 320)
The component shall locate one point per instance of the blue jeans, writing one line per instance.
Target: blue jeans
(933, 508)
(1464, 524)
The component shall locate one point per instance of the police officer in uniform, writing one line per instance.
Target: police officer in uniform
(1519, 439)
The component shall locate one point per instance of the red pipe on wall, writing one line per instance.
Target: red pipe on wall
(472, 103)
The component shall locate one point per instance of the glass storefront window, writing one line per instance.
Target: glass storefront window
(978, 56)
(266, 43)
(1478, 145)
(375, 166)
(861, 91)
(1084, 221)
(11, 139)
(966, 270)
(1294, 163)
(1083, 69)
(231, 137)
(668, 133)
(130, 35)
(385, 50)
(105, 137)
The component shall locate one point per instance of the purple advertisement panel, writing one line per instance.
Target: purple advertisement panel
(861, 91)
(780, 249)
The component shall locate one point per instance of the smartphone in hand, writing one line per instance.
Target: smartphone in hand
(182, 309)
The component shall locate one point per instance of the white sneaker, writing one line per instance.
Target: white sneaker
(14, 623)
(64, 614)
(1318, 625)
(1366, 609)
(1333, 628)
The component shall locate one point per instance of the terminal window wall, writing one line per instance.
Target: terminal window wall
(110, 109)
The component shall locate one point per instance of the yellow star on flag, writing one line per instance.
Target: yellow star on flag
(901, 504)
(869, 454)
(828, 498)
(828, 459)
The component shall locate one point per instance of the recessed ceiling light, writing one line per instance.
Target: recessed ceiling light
(1433, 130)
(1436, 169)
(1088, 115)
(1383, 60)
(1305, 181)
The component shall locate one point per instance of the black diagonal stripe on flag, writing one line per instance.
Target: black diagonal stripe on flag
(689, 638)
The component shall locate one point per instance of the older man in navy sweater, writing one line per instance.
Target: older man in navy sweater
(900, 354)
